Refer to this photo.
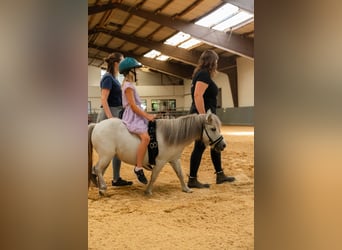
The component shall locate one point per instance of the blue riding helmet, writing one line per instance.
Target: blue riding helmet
(127, 64)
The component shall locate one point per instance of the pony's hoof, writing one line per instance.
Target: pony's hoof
(187, 190)
(102, 192)
(148, 193)
(93, 179)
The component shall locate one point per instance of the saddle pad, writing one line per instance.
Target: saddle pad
(153, 145)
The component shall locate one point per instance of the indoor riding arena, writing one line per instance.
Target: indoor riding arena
(168, 37)
(221, 217)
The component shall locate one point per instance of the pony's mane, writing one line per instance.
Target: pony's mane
(183, 128)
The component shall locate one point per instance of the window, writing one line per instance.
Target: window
(143, 104)
(163, 105)
(103, 71)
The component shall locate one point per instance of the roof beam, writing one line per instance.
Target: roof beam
(230, 42)
(247, 5)
(184, 71)
(189, 57)
(174, 52)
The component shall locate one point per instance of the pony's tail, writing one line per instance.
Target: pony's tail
(90, 151)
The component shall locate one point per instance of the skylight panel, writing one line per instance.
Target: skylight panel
(162, 58)
(177, 39)
(239, 18)
(152, 54)
(218, 15)
(190, 43)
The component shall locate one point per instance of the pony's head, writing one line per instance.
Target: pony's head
(211, 134)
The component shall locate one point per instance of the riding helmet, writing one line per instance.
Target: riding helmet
(127, 64)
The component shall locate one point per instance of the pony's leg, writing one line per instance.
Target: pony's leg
(93, 177)
(178, 169)
(154, 175)
(99, 169)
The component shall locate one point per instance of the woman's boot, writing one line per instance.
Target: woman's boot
(221, 177)
(194, 183)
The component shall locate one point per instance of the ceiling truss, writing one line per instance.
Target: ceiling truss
(231, 42)
(182, 61)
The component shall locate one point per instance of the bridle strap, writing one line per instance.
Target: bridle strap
(212, 142)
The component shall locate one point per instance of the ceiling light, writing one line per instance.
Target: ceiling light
(177, 39)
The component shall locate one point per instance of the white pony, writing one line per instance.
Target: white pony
(110, 137)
